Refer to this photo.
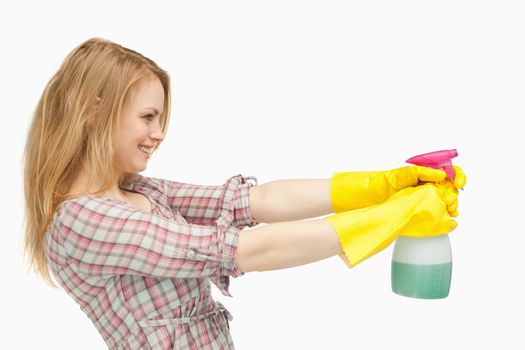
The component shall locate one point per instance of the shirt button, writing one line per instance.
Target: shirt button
(190, 254)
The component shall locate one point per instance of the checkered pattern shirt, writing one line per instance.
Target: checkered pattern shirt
(144, 278)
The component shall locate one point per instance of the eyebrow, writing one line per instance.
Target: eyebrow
(153, 109)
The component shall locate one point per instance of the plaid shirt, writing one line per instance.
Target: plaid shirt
(144, 278)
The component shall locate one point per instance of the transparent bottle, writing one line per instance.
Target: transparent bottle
(422, 267)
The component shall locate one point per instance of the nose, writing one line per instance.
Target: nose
(157, 134)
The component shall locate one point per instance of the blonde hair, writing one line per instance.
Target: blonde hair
(69, 128)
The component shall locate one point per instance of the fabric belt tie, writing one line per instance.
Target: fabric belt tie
(183, 320)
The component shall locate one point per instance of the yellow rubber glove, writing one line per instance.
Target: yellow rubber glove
(413, 212)
(353, 190)
(452, 189)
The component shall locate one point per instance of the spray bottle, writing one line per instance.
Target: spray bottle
(422, 267)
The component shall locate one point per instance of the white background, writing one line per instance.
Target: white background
(283, 90)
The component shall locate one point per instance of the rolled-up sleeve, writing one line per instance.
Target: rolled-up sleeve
(103, 238)
(202, 204)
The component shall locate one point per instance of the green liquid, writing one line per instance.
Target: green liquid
(421, 281)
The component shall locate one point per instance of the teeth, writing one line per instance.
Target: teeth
(145, 149)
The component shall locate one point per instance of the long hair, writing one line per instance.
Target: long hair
(67, 130)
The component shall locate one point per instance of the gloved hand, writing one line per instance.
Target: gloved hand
(452, 189)
(413, 212)
(353, 190)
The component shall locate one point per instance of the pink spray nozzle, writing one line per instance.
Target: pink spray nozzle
(438, 160)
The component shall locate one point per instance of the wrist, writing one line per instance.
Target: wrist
(355, 190)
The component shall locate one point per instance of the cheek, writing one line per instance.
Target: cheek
(134, 136)
(140, 133)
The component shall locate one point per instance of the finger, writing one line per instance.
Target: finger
(429, 174)
(452, 224)
(452, 209)
(451, 195)
(448, 184)
(460, 180)
(447, 191)
(448, 194)
(451, 198)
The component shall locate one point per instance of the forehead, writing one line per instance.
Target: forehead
(148, 92)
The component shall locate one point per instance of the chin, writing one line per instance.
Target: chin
(136, 169)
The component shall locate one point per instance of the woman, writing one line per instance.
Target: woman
(138, 253)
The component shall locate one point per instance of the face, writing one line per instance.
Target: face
(140, 130)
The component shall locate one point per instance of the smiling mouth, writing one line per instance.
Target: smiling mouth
(146, 150)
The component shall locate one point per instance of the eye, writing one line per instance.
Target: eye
(149, 117)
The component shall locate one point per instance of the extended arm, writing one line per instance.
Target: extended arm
(286, 244)
(419, 211)
(286, 200)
